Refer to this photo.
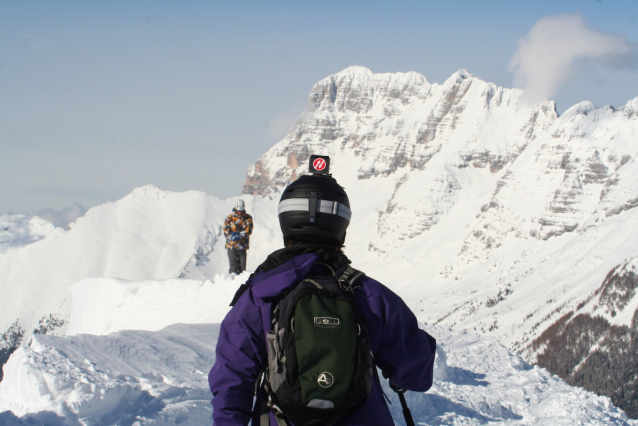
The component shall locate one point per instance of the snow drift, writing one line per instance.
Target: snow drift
(159, 378)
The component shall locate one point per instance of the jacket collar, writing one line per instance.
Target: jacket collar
(290, 265)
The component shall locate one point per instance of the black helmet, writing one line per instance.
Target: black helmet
(314, 205)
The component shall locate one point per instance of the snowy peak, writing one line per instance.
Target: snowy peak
(363, 75)
(354, 72)
(20, 230)
(393, 121)
(356, 88)
(432, 142)
(631, 108)
(458, 77)
(147, 192)
(583, 108)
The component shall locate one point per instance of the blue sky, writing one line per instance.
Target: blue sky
(97, 98)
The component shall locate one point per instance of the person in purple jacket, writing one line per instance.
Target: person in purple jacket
(314, 212)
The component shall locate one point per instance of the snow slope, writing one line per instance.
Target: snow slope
(151, 377)
(149, 234)
(159, 378)
(105, 305)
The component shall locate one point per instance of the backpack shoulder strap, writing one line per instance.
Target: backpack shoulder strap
(348, 278)
(241, 290)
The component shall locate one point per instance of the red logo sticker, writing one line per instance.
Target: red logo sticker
(319, 164)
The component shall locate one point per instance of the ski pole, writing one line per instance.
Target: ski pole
(406, 410)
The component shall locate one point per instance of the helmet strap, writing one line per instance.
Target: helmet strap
(313, 198)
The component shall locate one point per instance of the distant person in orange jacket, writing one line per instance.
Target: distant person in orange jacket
(237, 228)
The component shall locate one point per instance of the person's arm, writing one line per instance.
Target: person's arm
(227, 227)
(405, 352)
(248, 225)
(240, 354)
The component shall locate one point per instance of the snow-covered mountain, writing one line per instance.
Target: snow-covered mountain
(483, 212)
(495, 216)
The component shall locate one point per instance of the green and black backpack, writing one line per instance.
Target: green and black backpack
(319, 361)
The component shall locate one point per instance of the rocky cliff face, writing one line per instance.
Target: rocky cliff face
(496, 216)
(395, 121)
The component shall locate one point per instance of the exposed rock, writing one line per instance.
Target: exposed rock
(10, 341)
(391, 121)
(618, 288)
(586, 350)
(50, 323)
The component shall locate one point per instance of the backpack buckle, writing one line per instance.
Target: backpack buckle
(274, 408)
(348, 277)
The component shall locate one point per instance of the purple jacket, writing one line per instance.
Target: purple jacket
(402, 351)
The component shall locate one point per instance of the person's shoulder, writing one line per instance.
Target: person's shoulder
(245, 310)
(244, 298)
(372, 286)
(368, 281)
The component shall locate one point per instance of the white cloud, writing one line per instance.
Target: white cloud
(64, 217)
(547, 56)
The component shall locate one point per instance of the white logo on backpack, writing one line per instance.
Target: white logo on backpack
(325, 380)
(326, 322)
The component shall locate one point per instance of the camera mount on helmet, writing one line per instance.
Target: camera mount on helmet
(319, 165)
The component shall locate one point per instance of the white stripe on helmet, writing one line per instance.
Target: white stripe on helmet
(323, 206)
